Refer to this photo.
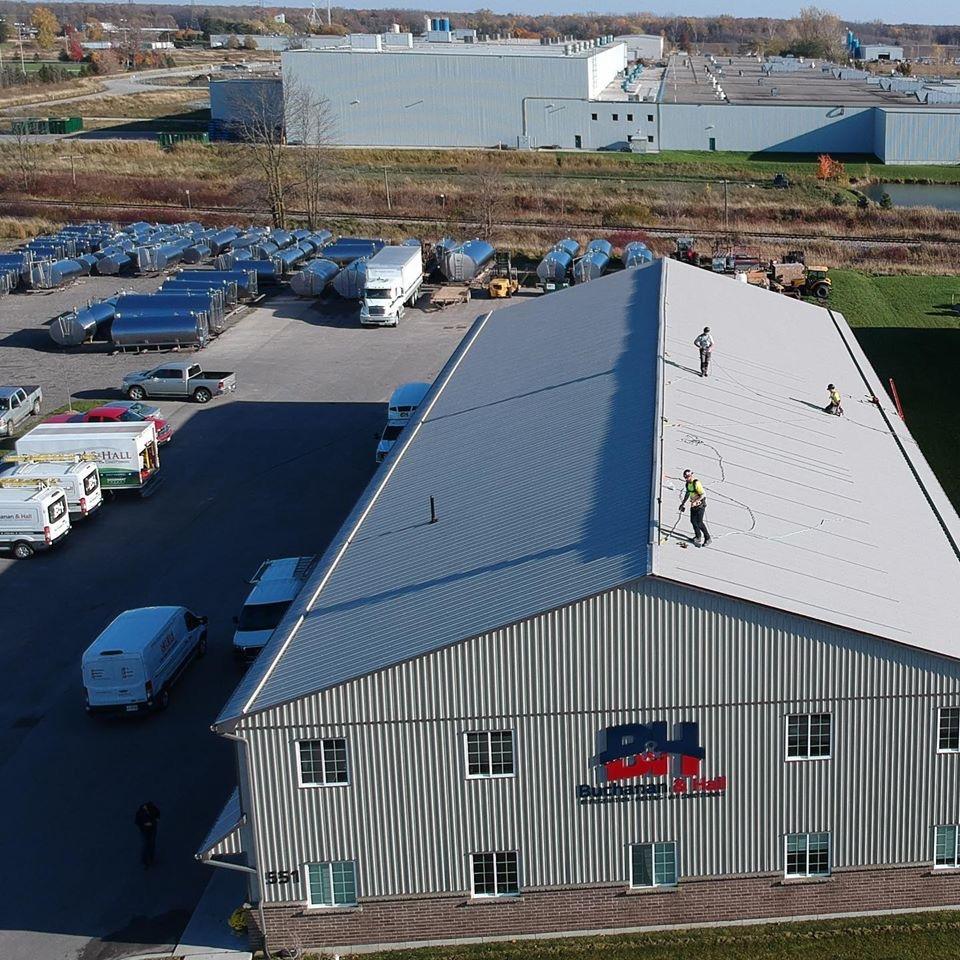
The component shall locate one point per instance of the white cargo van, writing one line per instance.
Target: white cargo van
(33, 516)
(405, 400)
(131, 666)
(79, 479)
(126, 453)
(275, 586)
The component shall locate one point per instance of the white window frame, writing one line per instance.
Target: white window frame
(489, 776)
(653, 861)
(325, 784)
(940, 712)
(329, 865)
(808, 875)
(496, 895)
(956, 844)
(806, 758)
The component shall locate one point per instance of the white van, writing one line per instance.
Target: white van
(79, 480)
(405, 400)
(275, 586)
(33, 516)
(131, 666)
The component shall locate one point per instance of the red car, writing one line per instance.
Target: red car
(120, 411)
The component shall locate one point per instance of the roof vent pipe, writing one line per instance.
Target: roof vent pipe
(433, 510)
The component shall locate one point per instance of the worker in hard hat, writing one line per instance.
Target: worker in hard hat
(693, 492)
(834, 406)
(705, 343)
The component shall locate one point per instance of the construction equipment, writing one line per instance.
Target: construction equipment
(501, 287)
(781, 181)
(795, 279)
(686, 251)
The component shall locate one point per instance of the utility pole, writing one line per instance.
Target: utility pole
(386, 187)
(73, 158)
(329, 21)
(23, 69)
(725, 222)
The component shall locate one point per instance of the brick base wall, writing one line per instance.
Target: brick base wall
(406, 920)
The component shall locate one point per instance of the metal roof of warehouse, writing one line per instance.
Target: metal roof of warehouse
(554, 441)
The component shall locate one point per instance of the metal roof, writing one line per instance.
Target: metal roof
(535, 441)
(835, 518)
(220, 838)
(540, 442)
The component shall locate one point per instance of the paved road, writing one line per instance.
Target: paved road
(269, 473)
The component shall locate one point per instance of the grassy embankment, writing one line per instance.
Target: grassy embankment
(910, 332)
(930, 936)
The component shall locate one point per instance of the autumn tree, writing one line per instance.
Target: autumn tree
(818, 33)
(47, 27)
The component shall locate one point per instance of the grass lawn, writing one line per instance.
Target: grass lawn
(925, 936)
(909, 331)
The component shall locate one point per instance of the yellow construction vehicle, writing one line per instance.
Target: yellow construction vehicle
(501, 287)
(795, 279)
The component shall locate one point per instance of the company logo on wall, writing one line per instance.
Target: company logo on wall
(641, 761)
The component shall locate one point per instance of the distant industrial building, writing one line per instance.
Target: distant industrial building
(871, 52)
(450, 91)
(515, 698)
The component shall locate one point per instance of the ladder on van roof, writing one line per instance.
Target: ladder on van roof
(38, 483)
(46, 457)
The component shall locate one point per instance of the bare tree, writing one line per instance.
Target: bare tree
(26, 153)
(266, 116)
(311, 125)
(489, 201)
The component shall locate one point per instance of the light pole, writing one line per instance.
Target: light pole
(443, 201)
(386, 187)
(189, 204)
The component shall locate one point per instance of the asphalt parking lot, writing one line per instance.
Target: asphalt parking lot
(268, 472)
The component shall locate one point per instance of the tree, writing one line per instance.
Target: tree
(818, 34)
(311, 125)
(47, 27)
(489, 202)
(5, 32)
(93, 30)
(233, 43)
(74, 50)
(249, 43)
(25, 154)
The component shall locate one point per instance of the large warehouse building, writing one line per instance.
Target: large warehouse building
(395, 90)
(515, 698)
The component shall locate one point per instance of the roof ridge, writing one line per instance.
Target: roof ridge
(657, 468)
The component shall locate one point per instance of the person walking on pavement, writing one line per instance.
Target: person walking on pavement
(698, 507)
(705, 343)
(834, 406)
(147, 820)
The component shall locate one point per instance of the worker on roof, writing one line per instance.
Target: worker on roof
(705, 343)
(698, 507)
(834, 406)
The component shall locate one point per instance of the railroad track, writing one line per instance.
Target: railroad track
(652, 230)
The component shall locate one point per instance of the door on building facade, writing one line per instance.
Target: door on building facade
(578, 141)
(713, 143)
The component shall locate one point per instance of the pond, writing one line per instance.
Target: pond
(942, 196)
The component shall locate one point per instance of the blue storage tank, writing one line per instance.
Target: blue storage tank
(347, 249)
(464, 262)
(555, 266)
(350, 281)
(636, 254)
(312, 280)
(593, 262)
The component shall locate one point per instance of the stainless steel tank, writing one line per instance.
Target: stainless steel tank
(636, 254)
(78, 326)
(350, 281)
(593, 262)
(312, 280)
(465, 261)
(171, 330)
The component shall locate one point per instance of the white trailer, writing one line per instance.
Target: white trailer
(394, 277)
(126, 453)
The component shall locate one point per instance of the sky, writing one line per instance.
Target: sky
(891, 11)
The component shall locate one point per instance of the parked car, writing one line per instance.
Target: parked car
(275, 586)
(17, 404)
(387, 439)
(131, 666)
(120, 411)
(179, 379)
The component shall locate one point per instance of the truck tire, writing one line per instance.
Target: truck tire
(22, 550)
(163, 700)
(136, 392)
(202, 395)
(821, 291)
(36, 408)
(201, 645)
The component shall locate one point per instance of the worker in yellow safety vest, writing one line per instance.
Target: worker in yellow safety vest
(693, 491)
(834, 406)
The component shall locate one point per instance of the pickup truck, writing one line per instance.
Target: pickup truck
(16, 405)
(179, 379)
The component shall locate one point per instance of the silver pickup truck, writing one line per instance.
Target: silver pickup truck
(16, 405)
(179, 379)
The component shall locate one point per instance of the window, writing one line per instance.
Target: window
(495, 874)
(649, 138)
(593, 116)
(332, 884)
(946, 846)
(808, 736)
(948, 730)
(653, 865)
(615, 117)
(629, 118)
(649, 118)
(489, 753)
(323, 762)
(808, 855)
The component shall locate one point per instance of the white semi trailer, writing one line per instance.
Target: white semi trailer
(394, 277)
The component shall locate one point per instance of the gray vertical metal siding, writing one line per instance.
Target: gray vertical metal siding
(651, 650)
(920, 136)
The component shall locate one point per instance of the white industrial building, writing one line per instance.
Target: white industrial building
(516, 699)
